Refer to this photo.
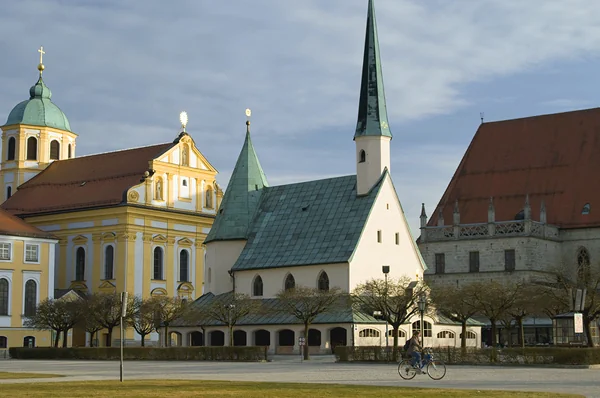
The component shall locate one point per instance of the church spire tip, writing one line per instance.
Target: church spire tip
(41, 66)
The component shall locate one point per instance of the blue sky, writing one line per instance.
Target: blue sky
(123, 70)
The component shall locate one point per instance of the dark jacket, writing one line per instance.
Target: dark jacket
(414, 345)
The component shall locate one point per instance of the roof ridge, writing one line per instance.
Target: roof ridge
(116, 151)
(541, 115)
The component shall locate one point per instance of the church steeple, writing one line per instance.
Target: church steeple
(372, 112)
(372, 136)
(241, 196)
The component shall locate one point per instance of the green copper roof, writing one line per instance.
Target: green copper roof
(241, 197)
(315, 222)
(372, 112)
(39, 110)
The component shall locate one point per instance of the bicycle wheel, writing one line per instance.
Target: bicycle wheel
(436, 370)
(406, 370)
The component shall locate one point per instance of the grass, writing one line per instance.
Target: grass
(220, 389)
(9, 375)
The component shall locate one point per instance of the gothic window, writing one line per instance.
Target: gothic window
(290, 282)
(583, 265)
(473, 261)
(80, 264)
(362, 157)
(323, 282)
(586, 209)
(509, 260)
(368, 333)
(209, 198)
(158, 191)
(69, 151)
(12, 144)
(109, 261)
(440, 263)
(31, 148)
(158, 263)
(257, 286)
(416, 326)
(3, 296)
(30, 297)
(8, 192)
(54, 150)
(184, 265)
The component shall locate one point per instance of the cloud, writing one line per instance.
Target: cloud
(566, 103)
(122, 71)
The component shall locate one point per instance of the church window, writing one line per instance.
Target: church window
(3, 342)
(158, 263)
(80, 264)
(257, 286)
(368, 333)
(440, 263)
(12, 143)
(323, 282)
(69, 155)
(397, 238)
(158, 189)
(30, 297)
(54, 150)
(426, 329)
(362, 157)
(379, 236)
(509, 260)
(4, 296)
(184, 265)
(473, 261)
(209, 198)
(8, 192)
(32, 253)
(109, 262)
(5, 251)
(290, 282)
(583, 265)
(586, 209)
(32, 148)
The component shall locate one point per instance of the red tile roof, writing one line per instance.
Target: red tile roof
(554, 158)
(84, 182)
(14, 226)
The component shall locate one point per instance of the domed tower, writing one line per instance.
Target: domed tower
(35, 134)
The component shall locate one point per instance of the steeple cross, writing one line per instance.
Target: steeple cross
(42, 52)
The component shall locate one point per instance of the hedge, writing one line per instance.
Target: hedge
(258, 353)
(476, 356)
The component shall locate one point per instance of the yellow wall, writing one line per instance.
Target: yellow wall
(17, 272)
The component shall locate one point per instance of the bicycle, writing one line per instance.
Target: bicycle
(436, 369)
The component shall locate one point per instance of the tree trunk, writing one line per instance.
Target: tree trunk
(109, 342)
(65, 336)
(587, 326)
(463, 338)
(57, 338)
(230, 335)
(306, 325)
(395, 348)
(167, 339)
(521, 332)
(494, 332)
(143, 340)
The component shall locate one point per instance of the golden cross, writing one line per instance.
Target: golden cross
(42, 52)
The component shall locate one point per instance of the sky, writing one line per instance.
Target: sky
(123, 70)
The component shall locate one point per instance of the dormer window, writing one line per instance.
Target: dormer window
(362, 157)
(586, 209)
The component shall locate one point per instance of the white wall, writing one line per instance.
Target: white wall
(220, 257)
(377, 150)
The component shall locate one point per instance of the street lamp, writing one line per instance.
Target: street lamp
(386, 270)
(422, 303)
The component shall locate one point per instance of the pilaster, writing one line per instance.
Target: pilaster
(148, 262)
(170, 262)
(61, 274)
(199, 256)
(97, 263)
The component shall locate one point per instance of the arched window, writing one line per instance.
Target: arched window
(426, 330)
(446, 334)
(257, 286)
(401, 333)
(184, 183)
(12, 148)
(29, 341)
(109, 261)
(368, 333)
(158, 263)
(80, 264)
(3, 342)
(4, 296)
(586, 209)
(30, 297)
(470, 335)
(184, 265)
(290, 282)
(583, 265)
(323, 282)
(54, 150)
(209, 198)
(69, 151)
(31, 148)
(8, 192)
(362, 157)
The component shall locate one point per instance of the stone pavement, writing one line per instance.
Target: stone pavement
(318, 370)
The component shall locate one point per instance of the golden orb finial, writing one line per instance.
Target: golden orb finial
(248, 114)
(41, 66)
(183, 118)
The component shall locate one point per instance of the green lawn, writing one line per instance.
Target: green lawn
(210, 389)
(8, 375)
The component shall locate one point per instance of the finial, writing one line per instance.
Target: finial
(183, 118)
(423, 213)
(248, 114)
(481, 116)
(41, 66)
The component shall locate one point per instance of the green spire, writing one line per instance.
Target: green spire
(241, 196)
(372, 113)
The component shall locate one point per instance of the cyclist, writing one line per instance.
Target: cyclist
(414, 349)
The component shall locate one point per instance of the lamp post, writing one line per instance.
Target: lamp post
(386, 270)
(422, 303)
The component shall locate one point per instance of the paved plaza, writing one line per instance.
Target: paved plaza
(319, 370)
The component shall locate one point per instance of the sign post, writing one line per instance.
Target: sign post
(123, 313)
(301, 343)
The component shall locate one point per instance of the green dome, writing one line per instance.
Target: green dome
(38, 110)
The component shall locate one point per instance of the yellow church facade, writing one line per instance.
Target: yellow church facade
(132, 220)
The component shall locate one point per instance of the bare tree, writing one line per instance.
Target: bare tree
(166, 310)
(306, 303)
(57, 315)
(90, 321)
(142, 317)
(106, 308)
(230, 309)
(396, 300)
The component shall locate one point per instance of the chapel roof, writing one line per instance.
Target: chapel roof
(84, 182)
(14, 226)
(314, 222)
(552, 158)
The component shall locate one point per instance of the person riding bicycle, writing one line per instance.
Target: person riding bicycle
(414, 349)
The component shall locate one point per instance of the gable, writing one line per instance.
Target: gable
(185, 153)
